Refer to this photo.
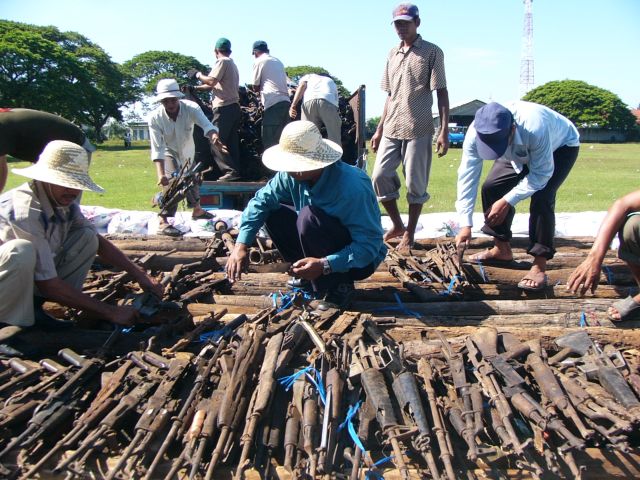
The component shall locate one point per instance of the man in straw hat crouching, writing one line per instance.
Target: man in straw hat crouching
(321, 213)
(47, 246)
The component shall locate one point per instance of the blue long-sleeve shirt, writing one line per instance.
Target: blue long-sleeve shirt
(539, 132)
(342, 191)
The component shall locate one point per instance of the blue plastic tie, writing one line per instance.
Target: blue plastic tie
(482, 272)
(126, 330)
(348, 422)
(399, 307)
(449, 290)
(288, 381)
(609, 274)
(583, 320)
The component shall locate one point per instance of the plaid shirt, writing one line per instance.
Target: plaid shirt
(409, 78)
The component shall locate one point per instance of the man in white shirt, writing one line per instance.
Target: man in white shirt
(319, 94)
(270, 79)
(534, 149)
(172, 146)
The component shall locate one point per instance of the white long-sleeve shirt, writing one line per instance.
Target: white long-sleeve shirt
(539, 132)
(175, 138)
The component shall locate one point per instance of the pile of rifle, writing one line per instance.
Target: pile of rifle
(292, 395)
(437, 271)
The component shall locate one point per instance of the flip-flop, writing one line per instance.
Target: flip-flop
(481, 258)
(528, 288)
(625, 307)
(170, 231)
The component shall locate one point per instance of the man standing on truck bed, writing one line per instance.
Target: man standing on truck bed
(223, 80)
(270, 79)
(414, 69)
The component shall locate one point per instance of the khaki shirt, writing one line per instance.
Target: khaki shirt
(409, 78)
(27, 213)
(225, 92)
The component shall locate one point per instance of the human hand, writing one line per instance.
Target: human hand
(308, 268)
(215, 141)
(463, 237)
(150, 285)
(375, 140)
(124, 315)
(192, 73)
(293, 113)
(163, 180)
(498, 213)
(237, 262)
(585, 277)
(442, 143)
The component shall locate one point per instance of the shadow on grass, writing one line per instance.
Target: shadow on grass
(119, 148)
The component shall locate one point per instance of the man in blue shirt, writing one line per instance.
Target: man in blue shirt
(321, 213)
(534, 149)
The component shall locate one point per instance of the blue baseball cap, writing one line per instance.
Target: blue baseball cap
(493, 124)
(405, 11)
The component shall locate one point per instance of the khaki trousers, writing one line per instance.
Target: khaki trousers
(17, 265)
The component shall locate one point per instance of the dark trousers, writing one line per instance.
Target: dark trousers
(313, 233)
(542, 218)
(227, 119)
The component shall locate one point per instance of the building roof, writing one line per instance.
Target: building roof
(636, 113)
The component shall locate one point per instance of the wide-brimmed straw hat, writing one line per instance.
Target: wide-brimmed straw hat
(301, 149)
(62, 163)
(168, 88)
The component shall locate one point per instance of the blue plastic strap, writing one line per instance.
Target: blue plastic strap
(608, 273)
(482, 272)
(399, 307)
(348, 422)
(449, 290)
(288, 381)
(583, 320)
(126, 330)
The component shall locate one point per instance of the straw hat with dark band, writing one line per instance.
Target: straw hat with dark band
(62, 163)
(301, 149)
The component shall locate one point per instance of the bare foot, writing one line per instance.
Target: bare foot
(536, 279)
(393, 233)
(492, 254)
(406, 242)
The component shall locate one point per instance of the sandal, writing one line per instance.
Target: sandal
(523, 285)
(170, 231)
(625, 307)
(482, 258)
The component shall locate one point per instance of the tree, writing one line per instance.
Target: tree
(149, 67)
(60, 72)
(584, 104)
(371, 126)
(295, 73)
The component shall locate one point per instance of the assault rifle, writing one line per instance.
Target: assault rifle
(189, 176)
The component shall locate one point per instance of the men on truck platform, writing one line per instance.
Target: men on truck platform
(270, 79)
(224, 80)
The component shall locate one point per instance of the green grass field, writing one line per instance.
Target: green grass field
(602, 173)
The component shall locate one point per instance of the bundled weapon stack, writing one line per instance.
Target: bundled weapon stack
(291, 394)
(435, 272)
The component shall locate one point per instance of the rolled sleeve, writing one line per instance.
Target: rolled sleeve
(265, 201)
(156, 138)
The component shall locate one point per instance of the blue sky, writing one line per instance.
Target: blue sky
(593, 41)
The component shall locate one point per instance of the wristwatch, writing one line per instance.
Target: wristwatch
(326, 267)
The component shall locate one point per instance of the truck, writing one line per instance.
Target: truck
(456, 135)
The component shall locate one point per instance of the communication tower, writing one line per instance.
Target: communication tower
(526, 59)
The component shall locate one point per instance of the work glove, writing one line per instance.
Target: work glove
(192, 72)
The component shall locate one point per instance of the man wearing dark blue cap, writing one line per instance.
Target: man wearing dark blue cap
(414, 69)
(534, 149)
